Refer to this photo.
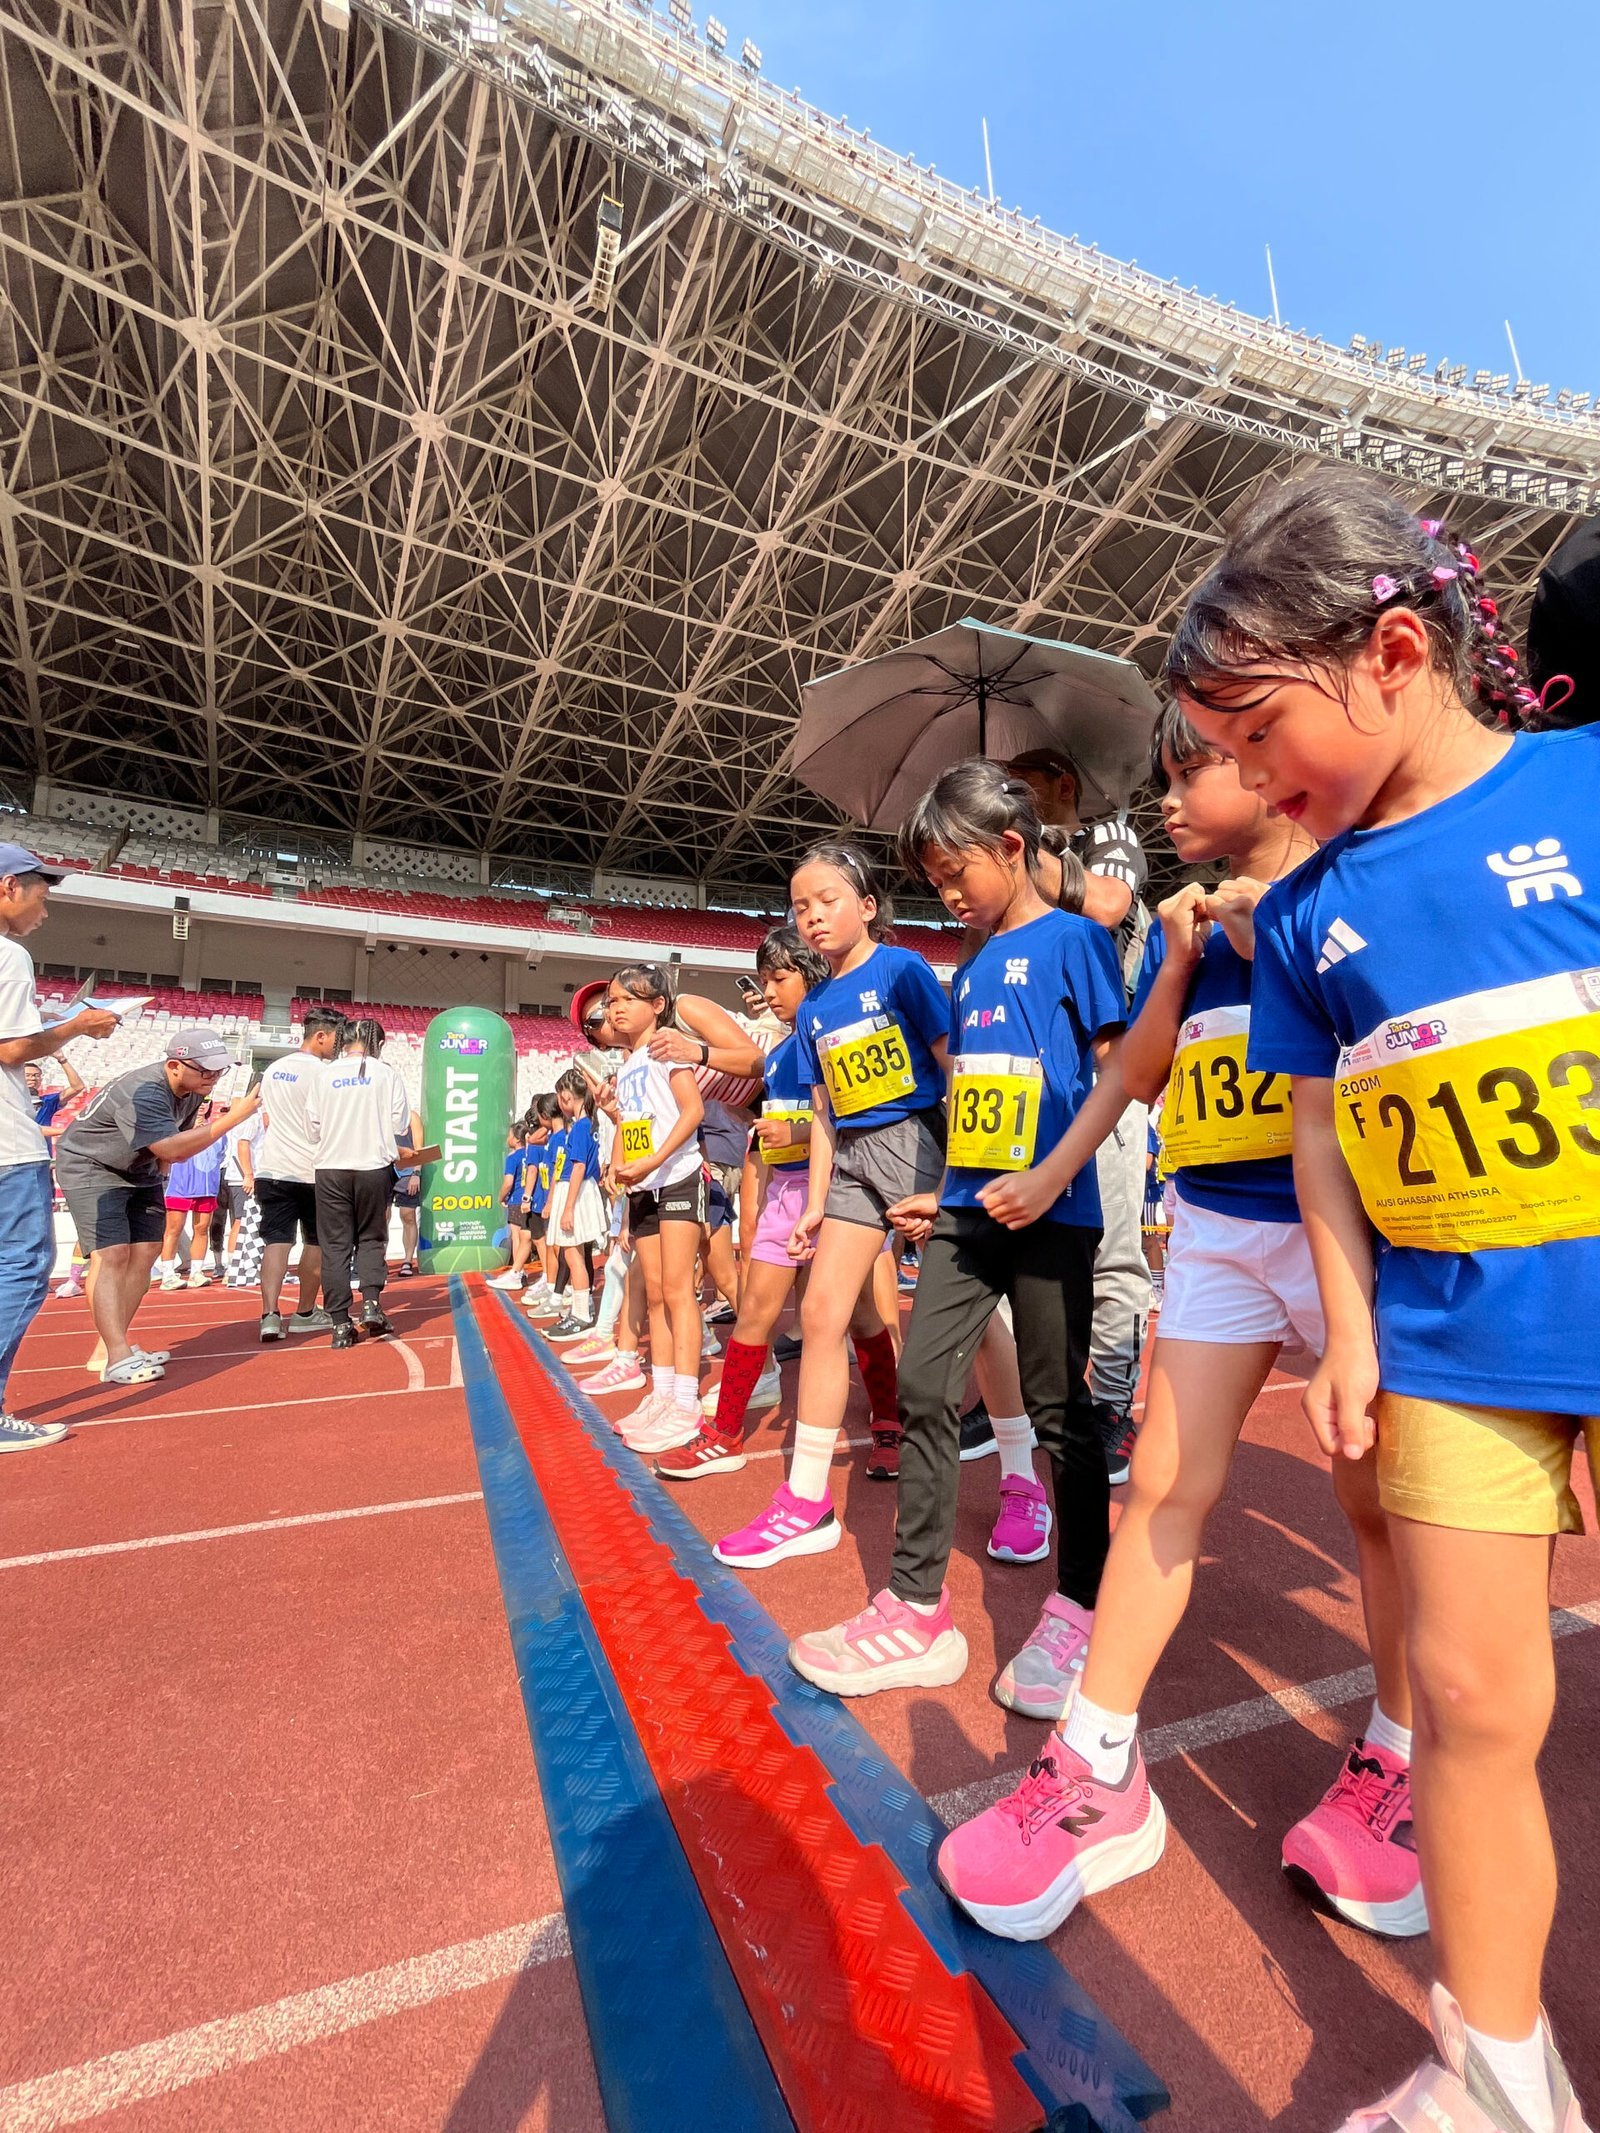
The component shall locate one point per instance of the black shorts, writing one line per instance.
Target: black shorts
(518, 1218)
(106, 1209)
(287, 1206)
(536, 1226)
(683, 1202)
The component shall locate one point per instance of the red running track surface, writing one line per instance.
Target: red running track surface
(275, 1855)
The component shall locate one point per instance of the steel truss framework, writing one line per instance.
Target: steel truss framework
(336, 489)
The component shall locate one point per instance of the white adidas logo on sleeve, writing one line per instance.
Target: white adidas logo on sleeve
(1342, 940)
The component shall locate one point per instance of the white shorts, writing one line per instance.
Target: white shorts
(1230, 1281)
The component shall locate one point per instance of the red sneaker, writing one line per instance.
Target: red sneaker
(883, 1461)
(1022, 1867)
(1354, 1853)
(709, 1453)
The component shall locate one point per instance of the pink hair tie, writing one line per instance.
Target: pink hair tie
(1442, 574)
(1432, 527)
(1385, 588)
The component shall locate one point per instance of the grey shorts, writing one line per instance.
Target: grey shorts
(877, 1166)
(106, 1209)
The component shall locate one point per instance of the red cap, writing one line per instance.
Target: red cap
(581, 999)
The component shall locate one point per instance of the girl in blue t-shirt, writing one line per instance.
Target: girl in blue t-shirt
(576, 1212)
(870, 1044)
(1431, 980)
(1240, 1284)
(1030, 1013)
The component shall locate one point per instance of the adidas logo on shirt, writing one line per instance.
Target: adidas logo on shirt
(1342, 940)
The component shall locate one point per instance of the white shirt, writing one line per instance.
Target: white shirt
(644, 1090)
(20, 1139)
(359, 1113)
(288, 1148)
(246, 1136)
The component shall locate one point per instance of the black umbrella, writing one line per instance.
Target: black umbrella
(872, 738)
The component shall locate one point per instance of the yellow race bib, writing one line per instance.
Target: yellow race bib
(867, 1064)
(1216, 1111)
(1476, 1124)
(994, 1111)
(790, 1151)
(638, 1139)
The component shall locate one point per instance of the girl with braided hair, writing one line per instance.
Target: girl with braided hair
(1430, 982)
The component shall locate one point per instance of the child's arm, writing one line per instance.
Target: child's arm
(1019, 1197)
(1340, 1394)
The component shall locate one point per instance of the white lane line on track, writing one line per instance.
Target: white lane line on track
(255, 1525)
(266, 1409)
(300, 1345)
(133, 2076)
(416, 1376)
(1256, 1714)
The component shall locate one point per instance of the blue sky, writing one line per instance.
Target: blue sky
(1422, 171)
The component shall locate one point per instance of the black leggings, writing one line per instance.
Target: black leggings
(352, 1225)
(1047, 1271)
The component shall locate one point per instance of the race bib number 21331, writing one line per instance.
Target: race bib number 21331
(1476, 1124)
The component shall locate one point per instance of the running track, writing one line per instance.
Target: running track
(276, 1849)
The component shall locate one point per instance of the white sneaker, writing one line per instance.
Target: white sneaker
(709, 1344)
(72, 1286)
(648, 1412)
(767, 1391)
(678, 1425)
(171, 1282)
(507, 1280)
(199, 1278)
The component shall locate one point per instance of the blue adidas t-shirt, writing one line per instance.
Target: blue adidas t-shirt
(1043, 991)
(787, 1085)
(1495, 886)
(582, 1147)
(555, 1160)
(1251, 1192)
(893, 982)
(516, 1164)
(538, 1172)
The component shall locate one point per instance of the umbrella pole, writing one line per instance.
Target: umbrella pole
(983, 716)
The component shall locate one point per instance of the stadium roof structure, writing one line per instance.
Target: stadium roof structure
(473, 423)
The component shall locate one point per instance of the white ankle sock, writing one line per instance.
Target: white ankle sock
(1520, 2070)
(1382, 1732)
(662, 1382)
(1103, 1738)
(1013, 1436)
(686, 1392)
(813, 1455)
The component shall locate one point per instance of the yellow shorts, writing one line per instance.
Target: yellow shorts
(1482, 1469)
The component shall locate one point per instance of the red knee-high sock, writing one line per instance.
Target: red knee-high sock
(875, 1361)
(742, 1365)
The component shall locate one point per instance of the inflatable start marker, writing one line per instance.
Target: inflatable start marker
(468, 1084)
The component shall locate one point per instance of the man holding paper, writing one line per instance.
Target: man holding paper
(27, 1245)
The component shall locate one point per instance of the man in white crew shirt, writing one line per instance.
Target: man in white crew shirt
(285, 1166)
(359, 1115)
(27, 1244)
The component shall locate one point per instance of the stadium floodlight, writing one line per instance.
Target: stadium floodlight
(482, 28)
(1580, 403)
(1500, 382)
(438, 7)
(750, 57)
(1458, 374)
(608, 245)
(336, 14)
(716, 34)
(680, 12)
(1417, 364)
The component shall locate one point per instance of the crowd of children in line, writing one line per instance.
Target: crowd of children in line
(1375, 1041)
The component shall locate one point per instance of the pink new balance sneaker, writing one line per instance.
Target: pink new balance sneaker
(1022, 1531)
(1023, 1866)
(790, 1525)
(1041, 1680)
(1462, 2095)
(887, 1646)
(1354, 1853)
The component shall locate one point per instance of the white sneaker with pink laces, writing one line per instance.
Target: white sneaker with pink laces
(1042, 1679)
(889, 1645)
(1462, 2095)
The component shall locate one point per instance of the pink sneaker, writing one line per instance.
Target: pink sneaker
(1462, 2095)
(1040, 1681)
(585, 1354)
(788, 1526)
(673, 1426)
(1020, 1868)
(1354, 1853)
(1022, 1531)
(621, 1374)
(650, 1409)
(887, 1646)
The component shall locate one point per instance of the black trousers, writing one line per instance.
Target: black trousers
(1047, 1272)
(352, 1226)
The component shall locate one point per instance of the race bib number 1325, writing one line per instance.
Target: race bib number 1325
(1476, 1124)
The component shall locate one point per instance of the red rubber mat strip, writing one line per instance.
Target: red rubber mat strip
(866, 2029)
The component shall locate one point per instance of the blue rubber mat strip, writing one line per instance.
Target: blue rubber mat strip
(674, 2047)
(1084, 2072)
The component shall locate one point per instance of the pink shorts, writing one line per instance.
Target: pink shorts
(190, 1207)
(785, 1204)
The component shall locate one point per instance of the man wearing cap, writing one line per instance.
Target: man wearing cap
(27, 1242)
(109, 1165)
(1114, 870)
